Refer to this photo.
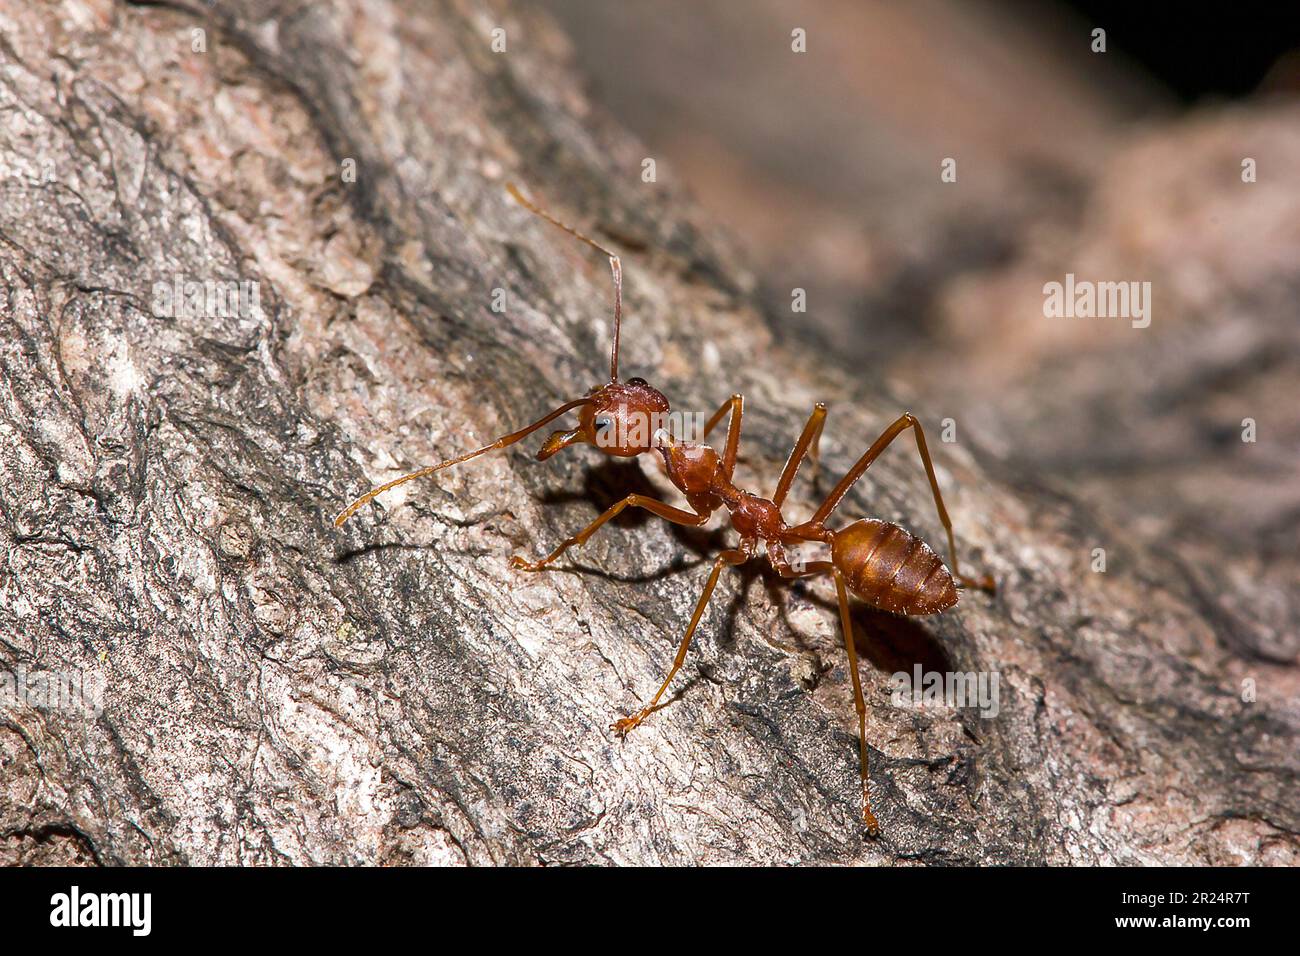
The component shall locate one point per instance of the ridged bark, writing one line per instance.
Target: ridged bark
(276, 691)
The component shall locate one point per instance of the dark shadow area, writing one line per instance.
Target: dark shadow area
(376, 547)
(1201, 49)
(892, 643)
(608, 482)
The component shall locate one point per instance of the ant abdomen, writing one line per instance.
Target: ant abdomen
(891, 569)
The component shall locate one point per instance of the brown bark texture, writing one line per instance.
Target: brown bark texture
(276, 691)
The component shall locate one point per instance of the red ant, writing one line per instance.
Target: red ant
(879, 562)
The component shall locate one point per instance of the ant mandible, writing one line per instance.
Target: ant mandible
(877, 561)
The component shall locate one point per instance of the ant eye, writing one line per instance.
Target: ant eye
(637, 381)
(604, 426)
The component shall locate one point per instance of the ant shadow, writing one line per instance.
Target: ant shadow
(609, 482)
(604, 485)
(892, 643)
(345, 557)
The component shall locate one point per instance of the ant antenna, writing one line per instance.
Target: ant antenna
(615, 266)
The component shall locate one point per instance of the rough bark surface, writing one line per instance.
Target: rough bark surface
(277, 691)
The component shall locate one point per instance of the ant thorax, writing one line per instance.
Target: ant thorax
(696, 471)
(692, 466)
(755, 517)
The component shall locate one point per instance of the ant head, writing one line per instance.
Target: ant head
(619, 419)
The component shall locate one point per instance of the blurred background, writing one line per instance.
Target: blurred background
(1122, 165)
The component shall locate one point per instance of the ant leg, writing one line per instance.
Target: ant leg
(905, 421)
(501, 442)
(736, 406)
(717, 416)
(666, 511)
(816, 452)
(846, 625)
(808, 440)
(733, 556)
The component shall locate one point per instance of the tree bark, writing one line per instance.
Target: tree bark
(279, 691)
